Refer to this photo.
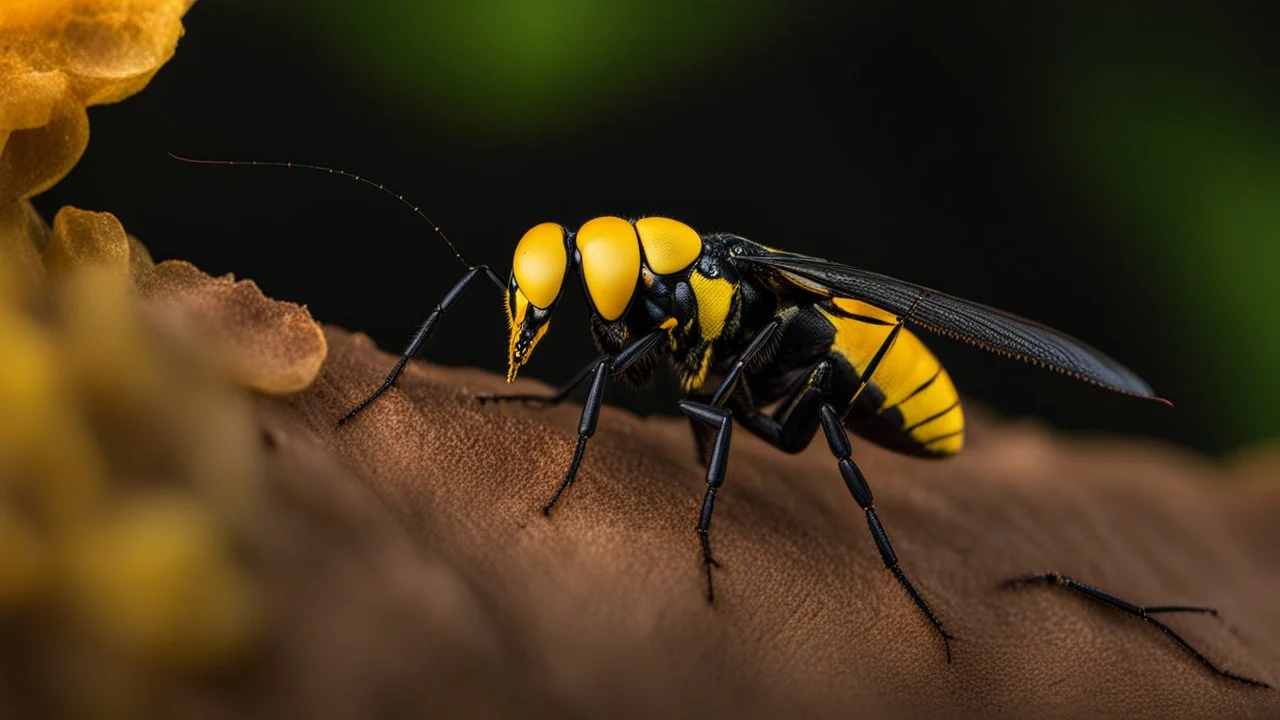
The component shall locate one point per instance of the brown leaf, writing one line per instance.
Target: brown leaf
(269, 345)
(601, 606)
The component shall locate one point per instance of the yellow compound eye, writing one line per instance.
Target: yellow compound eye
(540, 263)
(669, 245)
(610, 254)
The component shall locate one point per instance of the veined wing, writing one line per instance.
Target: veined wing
(996, 331)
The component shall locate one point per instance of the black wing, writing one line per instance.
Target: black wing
(988, 328)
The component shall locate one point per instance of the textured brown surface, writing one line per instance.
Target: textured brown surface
(599, 608)
(269, 345)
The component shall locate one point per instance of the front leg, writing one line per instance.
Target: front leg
(424, 332)
(599, 373)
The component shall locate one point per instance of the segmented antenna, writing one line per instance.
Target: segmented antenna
(334, 171)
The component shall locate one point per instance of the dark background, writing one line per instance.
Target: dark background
(1112, 172)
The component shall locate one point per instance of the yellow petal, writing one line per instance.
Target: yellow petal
(37, 158)
(24, 562)
(82, 237)
(22, 236)
(156, 581)
(61, 56)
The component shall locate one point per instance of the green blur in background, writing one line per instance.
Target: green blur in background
(1171, 124)
(531, 66)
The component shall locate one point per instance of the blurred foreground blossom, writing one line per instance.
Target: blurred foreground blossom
(131, 468)
(127, 473)
(58, 57)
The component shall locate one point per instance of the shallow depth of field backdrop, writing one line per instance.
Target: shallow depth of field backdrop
(1111, 171)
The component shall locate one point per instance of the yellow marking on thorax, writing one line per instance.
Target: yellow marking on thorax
(670, 324)
(714, 297)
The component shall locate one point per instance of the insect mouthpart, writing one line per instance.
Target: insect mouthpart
(529, 324)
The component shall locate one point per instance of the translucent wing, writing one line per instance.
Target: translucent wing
(988, 328)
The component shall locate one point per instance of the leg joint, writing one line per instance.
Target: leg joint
(704, 413)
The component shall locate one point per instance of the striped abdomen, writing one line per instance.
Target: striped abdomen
(910, 405)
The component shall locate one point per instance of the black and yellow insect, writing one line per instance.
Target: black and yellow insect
(746, 327)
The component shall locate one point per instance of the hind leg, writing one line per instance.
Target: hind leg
(1138, 611)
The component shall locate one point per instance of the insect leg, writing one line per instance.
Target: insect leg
(792, 426)
(599, 373)
(556, 397)
(717, 417)
(449, 299)
(731, 378)
(1137, 611)
(704, 436)
(838, 439)
(722, 420)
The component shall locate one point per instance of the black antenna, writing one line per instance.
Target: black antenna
(335, 171)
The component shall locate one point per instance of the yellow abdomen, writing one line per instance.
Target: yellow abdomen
(913, 405)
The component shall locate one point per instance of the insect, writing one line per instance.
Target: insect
(746, 326)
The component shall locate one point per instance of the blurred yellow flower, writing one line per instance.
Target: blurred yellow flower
(58, 57)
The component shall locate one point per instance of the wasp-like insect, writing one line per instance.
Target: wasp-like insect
(746, 326)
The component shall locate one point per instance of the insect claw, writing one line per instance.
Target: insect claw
(946, 642)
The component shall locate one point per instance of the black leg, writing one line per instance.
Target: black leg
(792, 426)
(838, 439)
(425, 331)
(1137, 611)
(719, 460)
(757, 344)
(556, 397)
(865, 378)
(715, 416)
(704, 436)
(599, 373)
